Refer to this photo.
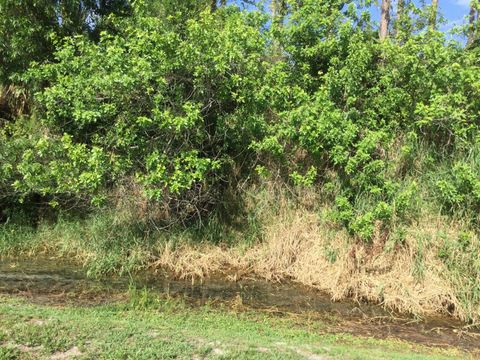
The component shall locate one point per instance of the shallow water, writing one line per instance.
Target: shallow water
(49, 281)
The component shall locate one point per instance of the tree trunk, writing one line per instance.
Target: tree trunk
(384, 19)
(472, 23)
(400, 17)
(213, 6)
(400, 9)
(274, 8)
(283, 9)
(279, 10)
(433, 15)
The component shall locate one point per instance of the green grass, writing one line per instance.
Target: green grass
(107, 244)
(151, 328)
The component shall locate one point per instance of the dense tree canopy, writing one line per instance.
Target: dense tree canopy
(186, 99)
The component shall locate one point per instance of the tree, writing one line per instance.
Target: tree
(214, 6)
(399, 22)
(29, 30)
(433, 15)
(384, 19)
(279, 10)
(472, 22)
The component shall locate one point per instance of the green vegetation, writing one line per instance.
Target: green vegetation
(130, 131)
(150, 328)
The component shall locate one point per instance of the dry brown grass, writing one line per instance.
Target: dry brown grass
(406, 277)
(298, 242)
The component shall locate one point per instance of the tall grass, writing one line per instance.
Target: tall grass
(428, 264)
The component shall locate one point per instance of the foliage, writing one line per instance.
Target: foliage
(29, 28)
(166, 106)
(187, 102)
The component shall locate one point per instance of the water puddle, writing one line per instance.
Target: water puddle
(51, 282)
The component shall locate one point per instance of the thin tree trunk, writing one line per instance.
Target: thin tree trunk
(213, 6)
(400, 9)
(472, 23)
(433, 15)
(279, 10)
(400, 17)
(477, 23)
(274, 8)
(384, 19)
(283, 9)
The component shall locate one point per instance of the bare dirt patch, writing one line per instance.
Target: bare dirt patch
(67, 355)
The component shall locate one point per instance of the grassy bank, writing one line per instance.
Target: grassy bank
(428, 267)
(207, 139)
(164, 329)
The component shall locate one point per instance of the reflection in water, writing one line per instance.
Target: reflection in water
(48, 281)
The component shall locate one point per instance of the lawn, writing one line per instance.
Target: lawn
(144, 327)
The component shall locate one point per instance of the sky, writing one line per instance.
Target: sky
(454, 10)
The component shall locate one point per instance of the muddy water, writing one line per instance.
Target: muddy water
(52, 282)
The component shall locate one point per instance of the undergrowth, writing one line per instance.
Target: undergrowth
(427, 266)
(219, 139)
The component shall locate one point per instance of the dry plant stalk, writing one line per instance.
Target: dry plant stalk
(295, 249)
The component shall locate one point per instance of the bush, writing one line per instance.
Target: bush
(187, 104)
